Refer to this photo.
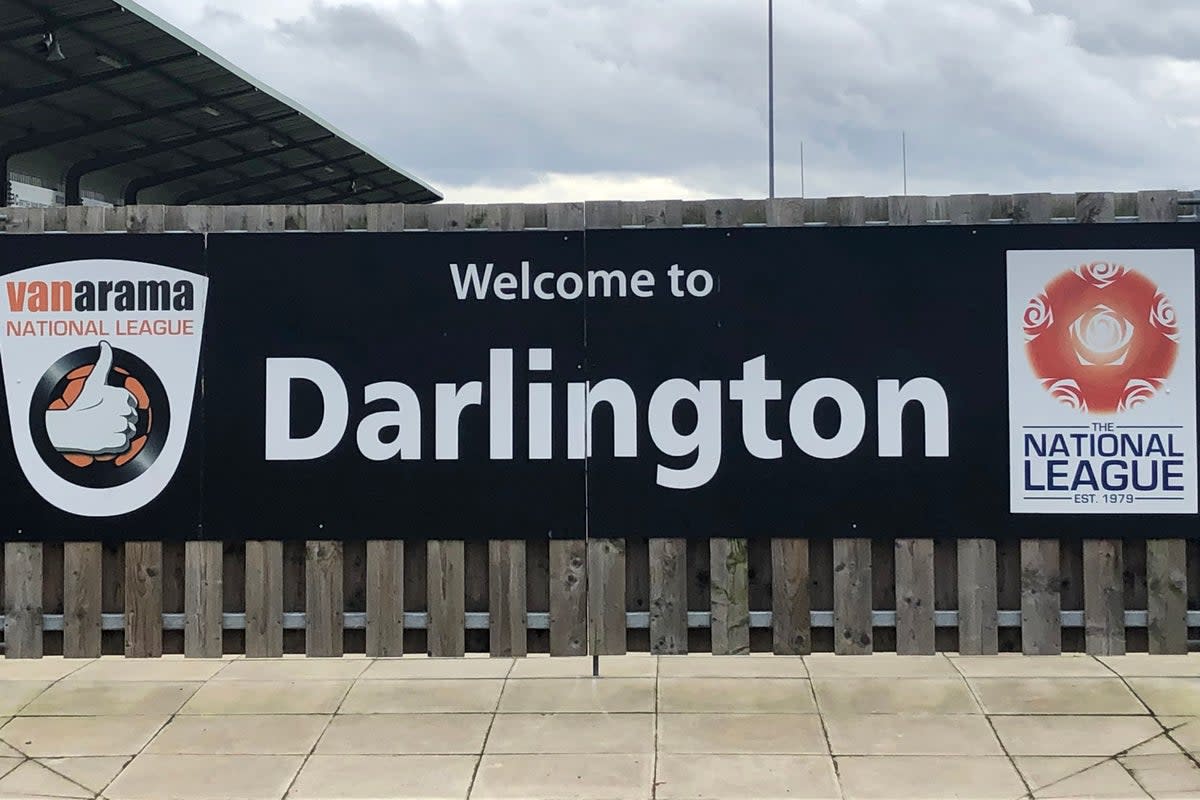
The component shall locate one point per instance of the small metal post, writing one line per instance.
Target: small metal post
(595, 666)
(771, 97)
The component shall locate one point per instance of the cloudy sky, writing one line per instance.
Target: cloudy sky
(538, 100)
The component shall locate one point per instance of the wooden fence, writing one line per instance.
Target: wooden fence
(602, 596)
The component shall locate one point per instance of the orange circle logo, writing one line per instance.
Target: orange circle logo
(1101, 338)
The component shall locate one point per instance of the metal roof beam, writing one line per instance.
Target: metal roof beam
(15, 97)
(138, 184)
(79, 169)
(312, 187)
(176, 82)
(254, 180)
(40, 140)
(341, 198)
(60, 22)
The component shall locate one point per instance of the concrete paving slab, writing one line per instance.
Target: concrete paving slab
(82, 736)
(571, 733)
(405, 734)
(1015, 665)
(735, 696)
(204, 777)
(1056, 696)
(769, 734)
(347, 777)
(745, 666)
(632, 665)
(583, 695)
(261, 697)
(33, 780)
(1108, 779)
(840, 696)
(423, 667)
(744, 777)
(897, 777)
(912, 734)
(91, 698)
(563, 777)
(1101, 736)
(240, 734)
(1169, 696)
(431, 696)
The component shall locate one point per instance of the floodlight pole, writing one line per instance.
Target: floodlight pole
(771, 98)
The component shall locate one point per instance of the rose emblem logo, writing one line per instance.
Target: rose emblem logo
(1101, 338)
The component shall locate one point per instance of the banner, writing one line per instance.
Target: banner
(941, 381)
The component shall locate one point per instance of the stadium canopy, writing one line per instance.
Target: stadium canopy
(104, 96)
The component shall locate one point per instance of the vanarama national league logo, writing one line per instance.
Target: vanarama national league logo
(100, 362)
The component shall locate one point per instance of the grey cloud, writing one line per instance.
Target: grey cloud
(996, 95)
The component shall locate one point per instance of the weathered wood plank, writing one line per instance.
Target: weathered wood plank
(785, 212)
(977, 633)
(606, 596)
(852, 634)
(568, 597)
(1041, 597)
(447, 597)
(729, 584)
(385, 217)
(908, 209)
(324, 598)
(23, 600)
(1158, 206)
(791, 605)
(1095, 207)
(668, 596)
(143, 599)
(914, 597)
(204, 593)
(1032, 208)
(385, 598)
(507, 599)
(82, 599)
(1166, 585)
(1104, 596)
(264, 599)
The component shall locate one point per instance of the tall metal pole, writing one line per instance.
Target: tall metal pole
(771, 96)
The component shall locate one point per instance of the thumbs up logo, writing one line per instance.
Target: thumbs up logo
(104, 416)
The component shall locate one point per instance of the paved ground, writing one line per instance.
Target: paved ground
(676, 727)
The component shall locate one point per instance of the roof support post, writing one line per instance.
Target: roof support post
(5, 181)
(74, 195)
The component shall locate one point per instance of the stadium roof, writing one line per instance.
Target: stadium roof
(107, 90)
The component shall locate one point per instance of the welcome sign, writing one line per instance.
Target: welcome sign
(879, 382)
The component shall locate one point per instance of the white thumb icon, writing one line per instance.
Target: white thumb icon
(101, 421)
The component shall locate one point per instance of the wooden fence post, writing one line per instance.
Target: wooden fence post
(507, 602)
(568, 597)
(668, 596)
(1103, 596)
(1041, 597)
(143, 600)
(914, 597)
(1166, 589)
(324, 599)
(204, 593)
(852, 633)
(264, 599)
(82, 599)
(791, 605)
(23, 600)
(729, 584)
(606, 596)
(447, 597)
(977, 599)
(385, 598)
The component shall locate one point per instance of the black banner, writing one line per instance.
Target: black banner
(941, 381)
